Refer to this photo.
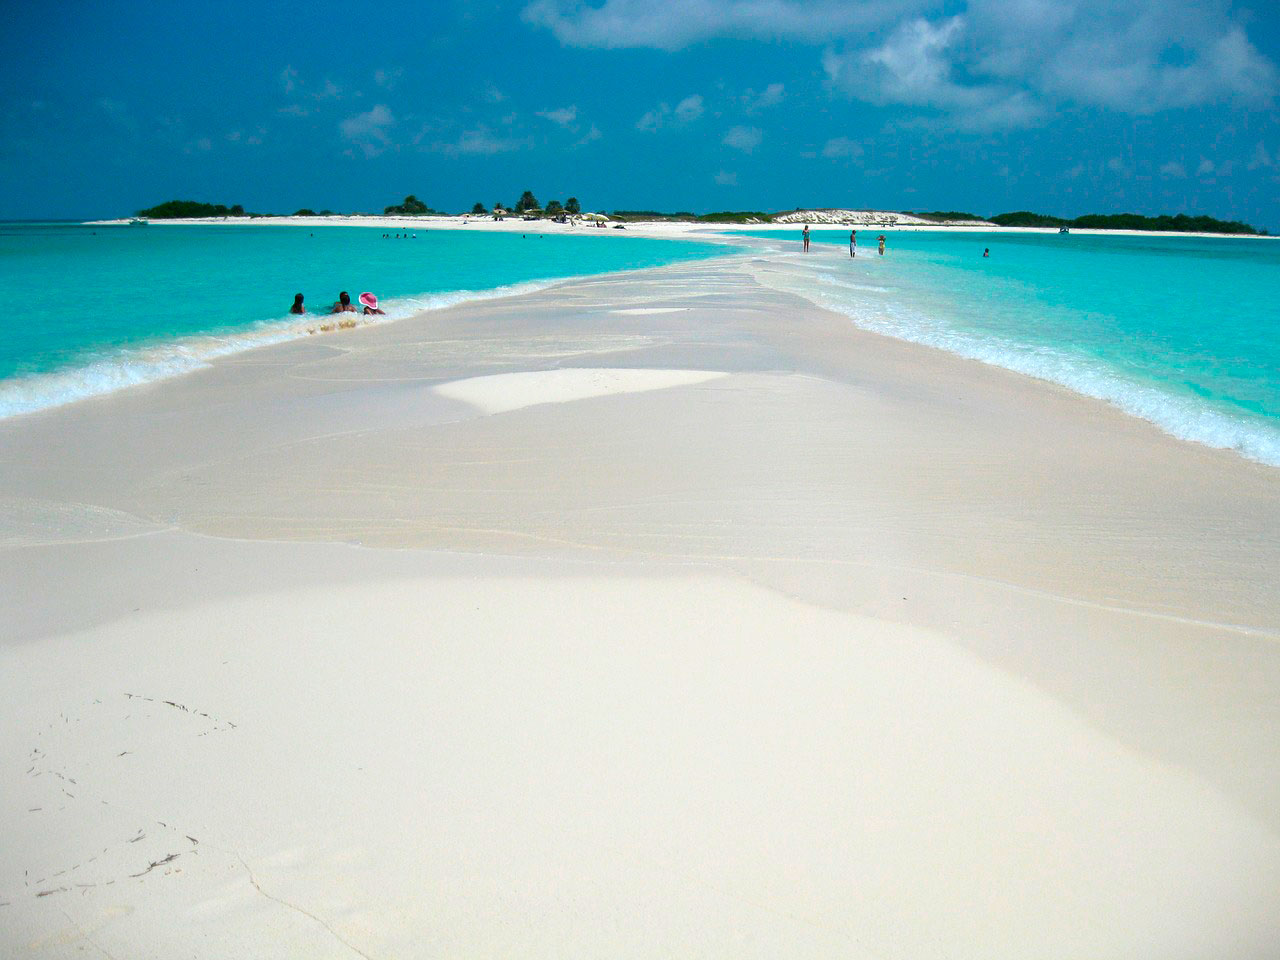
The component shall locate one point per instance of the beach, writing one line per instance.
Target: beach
(656, 613)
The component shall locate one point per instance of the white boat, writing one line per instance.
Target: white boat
(139, 222)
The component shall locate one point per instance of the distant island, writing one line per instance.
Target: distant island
(1180, 223)
(529, 208)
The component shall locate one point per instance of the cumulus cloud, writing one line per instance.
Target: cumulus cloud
(914, 66)
(1173, 169)
(482, 141)
(672, 25)
(1206, 168)
(842, 148)
(745, 139)
(770, 96)
(687, 110)
(561, 117)
(726, 179)
(991, 64)
(368, 130)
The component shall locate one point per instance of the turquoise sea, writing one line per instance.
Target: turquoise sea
(96, 308)
(1182, 331)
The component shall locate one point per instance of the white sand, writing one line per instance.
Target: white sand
(503, 392)
(826, 653)
(656, 228)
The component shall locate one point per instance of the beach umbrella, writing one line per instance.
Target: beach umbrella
(594, 216)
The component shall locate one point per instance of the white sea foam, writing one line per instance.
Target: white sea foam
(130, 367)
(1185, 417)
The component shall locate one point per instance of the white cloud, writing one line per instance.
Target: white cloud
(296, 110)
(745, 139)
(1261, 158)
(590, 136)
(995, 63)
(289, 79)
(368, 130)
(1173, 169)
(493, 95)
(561, 117)
(770, 96)
(330, 91)
(689, 109)
(842, 148)
(726, 179)
(654, 119)
(670, 26)
(482, 141)
(388, 79)
(914, 67)
(1206, 168)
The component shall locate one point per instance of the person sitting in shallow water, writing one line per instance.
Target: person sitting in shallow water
(344, 304)
(370, 304)
(297, 304)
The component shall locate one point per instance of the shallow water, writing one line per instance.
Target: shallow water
(1182, 331)
(93, 309)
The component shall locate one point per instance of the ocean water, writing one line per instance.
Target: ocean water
(1182, 331)
(95, 309)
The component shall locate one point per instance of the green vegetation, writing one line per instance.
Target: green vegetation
(176, 209)
(1181, 223)
(735, 216)
(412, 205)
(726, 216)
(304, 212)
(941, 216)
(1025, 218)
(554, 208)
(571, 206)
(527, 202)
(478, 208)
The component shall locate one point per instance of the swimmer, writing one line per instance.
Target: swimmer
(297, 304)
(370, 304)
(344, 304)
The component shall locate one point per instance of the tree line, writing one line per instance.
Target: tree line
(1179, 223)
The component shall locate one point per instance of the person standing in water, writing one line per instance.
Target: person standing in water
(882, 244)
(297, 304)
(986, 252)
(344, 304)
(805, 235)
(853, 243)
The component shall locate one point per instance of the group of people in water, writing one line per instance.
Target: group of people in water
(853, 241)
(367, 300)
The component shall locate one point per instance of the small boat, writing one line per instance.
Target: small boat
(1064, 229)
(139, 222)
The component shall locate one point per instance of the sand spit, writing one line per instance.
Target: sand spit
(739, 633)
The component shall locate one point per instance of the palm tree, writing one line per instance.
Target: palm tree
(572, 206)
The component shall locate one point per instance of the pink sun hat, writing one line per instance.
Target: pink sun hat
(369, 300)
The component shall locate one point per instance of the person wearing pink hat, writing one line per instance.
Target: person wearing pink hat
(370, 303)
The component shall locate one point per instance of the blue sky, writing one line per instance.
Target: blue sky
(1062, 106)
